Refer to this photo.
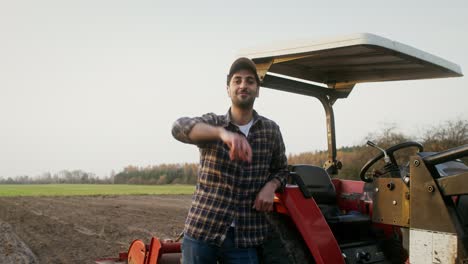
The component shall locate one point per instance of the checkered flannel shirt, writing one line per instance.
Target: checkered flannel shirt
(226, 189)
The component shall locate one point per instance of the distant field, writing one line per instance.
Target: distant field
(90, 189)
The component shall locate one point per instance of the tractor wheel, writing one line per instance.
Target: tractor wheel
(285, 244)
(394, 251)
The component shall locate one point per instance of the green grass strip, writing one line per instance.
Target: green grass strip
(90, 189)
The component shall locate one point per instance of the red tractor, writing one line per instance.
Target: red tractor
(416, 212)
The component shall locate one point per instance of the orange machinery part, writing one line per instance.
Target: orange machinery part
(139, 253)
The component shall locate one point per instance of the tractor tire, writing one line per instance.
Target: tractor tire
(394, 251)
(285, 244)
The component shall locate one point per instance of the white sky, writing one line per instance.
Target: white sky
(95, 85)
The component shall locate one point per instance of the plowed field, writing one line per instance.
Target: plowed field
(79, 229)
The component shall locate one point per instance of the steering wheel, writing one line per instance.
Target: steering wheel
(389, 151)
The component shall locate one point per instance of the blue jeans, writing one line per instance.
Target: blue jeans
(200, 252)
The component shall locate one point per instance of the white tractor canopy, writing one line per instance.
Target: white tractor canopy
(343, 62)
(339, 64)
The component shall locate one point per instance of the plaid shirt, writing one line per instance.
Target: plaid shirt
(226, 189)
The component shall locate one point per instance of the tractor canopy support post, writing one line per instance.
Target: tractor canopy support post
(331, 165)
(326, 96)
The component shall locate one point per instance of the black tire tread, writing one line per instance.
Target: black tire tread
(285, 245)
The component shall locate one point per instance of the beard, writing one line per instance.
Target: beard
(246, 103)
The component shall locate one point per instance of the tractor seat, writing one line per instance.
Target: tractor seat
(314, 182)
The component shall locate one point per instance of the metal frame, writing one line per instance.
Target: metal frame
(339, 64)
(326, 96)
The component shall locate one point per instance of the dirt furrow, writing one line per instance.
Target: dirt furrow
(81, 229)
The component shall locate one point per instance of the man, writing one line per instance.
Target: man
(242, 164)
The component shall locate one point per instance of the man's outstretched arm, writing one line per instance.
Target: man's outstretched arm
(197, 131)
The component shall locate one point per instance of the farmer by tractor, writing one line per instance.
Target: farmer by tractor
(412, 212)
(242, 164)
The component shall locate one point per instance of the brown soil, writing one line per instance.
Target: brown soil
(82, 229)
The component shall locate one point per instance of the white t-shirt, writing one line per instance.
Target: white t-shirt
(245, 128)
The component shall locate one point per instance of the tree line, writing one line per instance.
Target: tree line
(63, 176)
(437, 138)
(160, 174)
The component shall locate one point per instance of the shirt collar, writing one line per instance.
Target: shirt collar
(228, 119)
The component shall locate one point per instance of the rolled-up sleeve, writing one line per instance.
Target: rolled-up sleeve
(279, 162)
(182, 126)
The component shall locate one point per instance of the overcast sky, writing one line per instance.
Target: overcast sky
(96, 85)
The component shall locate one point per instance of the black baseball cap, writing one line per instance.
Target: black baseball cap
(243, 64)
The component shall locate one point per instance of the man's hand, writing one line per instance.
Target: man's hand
(239, 146)
(266, 196)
